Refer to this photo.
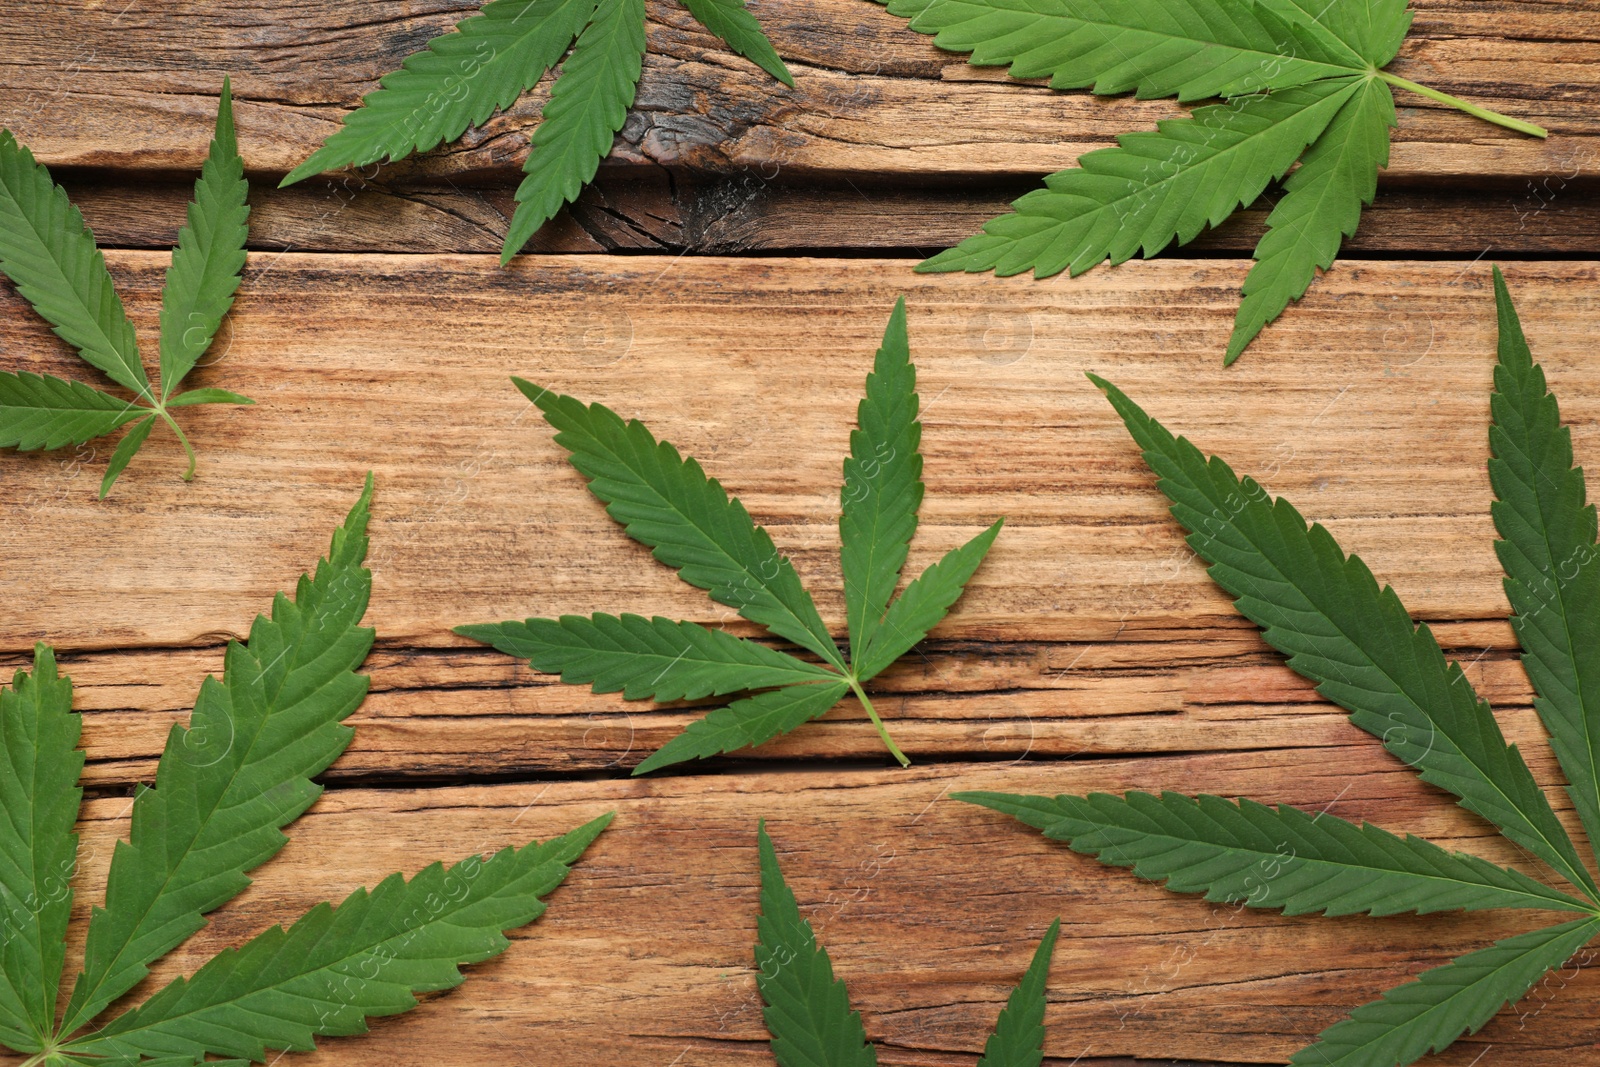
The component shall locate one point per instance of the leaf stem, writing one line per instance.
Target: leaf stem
(1470, 108)
(883, 731)
(188, 475)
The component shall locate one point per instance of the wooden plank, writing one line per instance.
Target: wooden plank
(1090, 630)
(1557, 214)
(929, 907)
(115, 86)
(458, 714)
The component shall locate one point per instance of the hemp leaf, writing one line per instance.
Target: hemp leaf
(666, 502)
(808, 1011)
(1303, 81)
(490, 59)
(225, 787)
(1324, 610)
(51, 256)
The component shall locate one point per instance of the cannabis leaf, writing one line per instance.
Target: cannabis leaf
(490, 59)
(1325, 611)
(667, 502)
(1303, 81)
(225, 787)
(808, 1011)
(48, 252)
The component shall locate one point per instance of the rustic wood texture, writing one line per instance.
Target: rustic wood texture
(1090, 653)
(929, 908)
(402, 364)
(1555, 214)
(870, 97)
(110, 86)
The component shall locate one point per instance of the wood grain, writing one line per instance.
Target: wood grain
(1090, 631)
(929, 907)
(708, 215)
(1090, 653)
(114, 86)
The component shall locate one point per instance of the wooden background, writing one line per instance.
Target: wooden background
(727, 280)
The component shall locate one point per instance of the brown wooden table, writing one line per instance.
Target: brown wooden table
(767, 233)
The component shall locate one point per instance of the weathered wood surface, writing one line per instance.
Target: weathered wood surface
(929, 908)
(1554, 214)
(1090, 628)
(1091, 652)
(877, 110)
(871, 96)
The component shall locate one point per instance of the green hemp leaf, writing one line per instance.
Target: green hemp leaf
(225, 787)
(490, 59)
(1303, 81)
(666, 502)
(1325, 611)
(808, 1011)
(50, 255)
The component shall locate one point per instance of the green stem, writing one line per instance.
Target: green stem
(1470, 108)
(883, 731)
(188, 475)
